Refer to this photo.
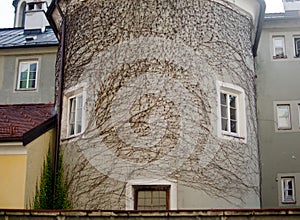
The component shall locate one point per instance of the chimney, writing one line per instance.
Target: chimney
(35, 18)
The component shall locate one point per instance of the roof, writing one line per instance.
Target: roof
(16, 37)
(17, 121)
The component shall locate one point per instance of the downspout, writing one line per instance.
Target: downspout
(260, 22)
(59, 98)
(254, 51)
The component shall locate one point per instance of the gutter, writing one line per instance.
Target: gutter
(260, 23)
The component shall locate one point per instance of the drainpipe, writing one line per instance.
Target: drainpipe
(261, 17)
(59, 101)
(262, 8)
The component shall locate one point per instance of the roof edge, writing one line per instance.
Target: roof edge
(37, 131)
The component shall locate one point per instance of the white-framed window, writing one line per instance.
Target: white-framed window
(297, 46)
(288, 190)
(232, 110)
(34, 6)
(75, 109)
(151, 195)
(278, 47)
(229, 117)
(27, 75)
(283, 117)
(299, 115)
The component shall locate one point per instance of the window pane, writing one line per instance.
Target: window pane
(79, 114)
(32, 75)
(151, 198)
(288, 190)
(23, 67)
(297, 46)
(72, 116)
(23, 84)
(33, 67)
(278, 47)
(39, 6)
(283, 117)
(232, 101)
(223, 99)
(233, 126)
(233, 114)
(31, 84)
(224, 112)
(24, 75)
(299, 114)
(279, 51)
(31, 6)
(224, 125)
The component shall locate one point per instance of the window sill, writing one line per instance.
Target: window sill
(22, 90)
(232, 135)
(279, 57)
(291, 202)
(71, 137)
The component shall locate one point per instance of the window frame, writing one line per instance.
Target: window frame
(238, 92)
(76, 115)
(296, 50)
(19, 73)
(229, 109)
(289, 127)
(284, 55)
(151, 188)
(130, 194)
(283, 190)
(298, 115)
(34, 6)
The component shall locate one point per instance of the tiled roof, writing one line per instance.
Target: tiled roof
(16, 120)
(15, 37)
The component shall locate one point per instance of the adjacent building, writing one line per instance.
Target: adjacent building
(27, 115)
(278, 100)
(158, 103)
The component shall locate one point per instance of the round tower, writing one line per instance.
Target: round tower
(159, 106)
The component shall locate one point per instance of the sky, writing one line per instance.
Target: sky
(7, 11)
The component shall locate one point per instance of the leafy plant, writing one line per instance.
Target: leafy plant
(44, 198)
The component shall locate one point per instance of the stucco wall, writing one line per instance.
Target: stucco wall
(45, 78)
(36, 155)
(13, 175)
(277, 82)
(149, 73)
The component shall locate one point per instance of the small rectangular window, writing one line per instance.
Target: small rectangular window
(297, 46)
(283, 117)
(151, 197)
(39, 6)
(288, 190)
(31, 6)
(27, 76)
(279, 47)
(75, 115)
(299, 114)
(229, 112)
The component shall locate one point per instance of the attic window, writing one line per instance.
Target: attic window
(39, 6)
(35, 6)
(30, 6)
(30, 38)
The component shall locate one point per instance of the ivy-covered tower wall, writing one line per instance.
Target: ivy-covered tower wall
(150, 78)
